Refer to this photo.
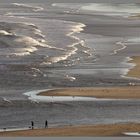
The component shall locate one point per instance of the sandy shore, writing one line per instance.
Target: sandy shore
(94, 130)
(135, 72)
(128, 92)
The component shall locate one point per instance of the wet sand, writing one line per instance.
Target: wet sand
(135, 72)
(93, 130)
(128, 92)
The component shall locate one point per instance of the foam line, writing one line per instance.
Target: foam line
(34, 8)
(12, 129)
(120, 49)
(132, 134)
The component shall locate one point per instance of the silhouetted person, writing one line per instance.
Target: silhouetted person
(32, 125)
(46, 124)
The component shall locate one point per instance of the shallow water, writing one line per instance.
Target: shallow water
(21, 113)
(49, 45)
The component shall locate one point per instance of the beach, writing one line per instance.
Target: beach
(91, 130)
(73, 63)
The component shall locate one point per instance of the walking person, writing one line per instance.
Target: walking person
(32, 125)
(46, 124)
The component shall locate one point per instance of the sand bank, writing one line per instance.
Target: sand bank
(128, 92)
(135, 72)
(94, 130)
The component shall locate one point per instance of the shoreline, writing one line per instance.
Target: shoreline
(128, 92)
(85, 130)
